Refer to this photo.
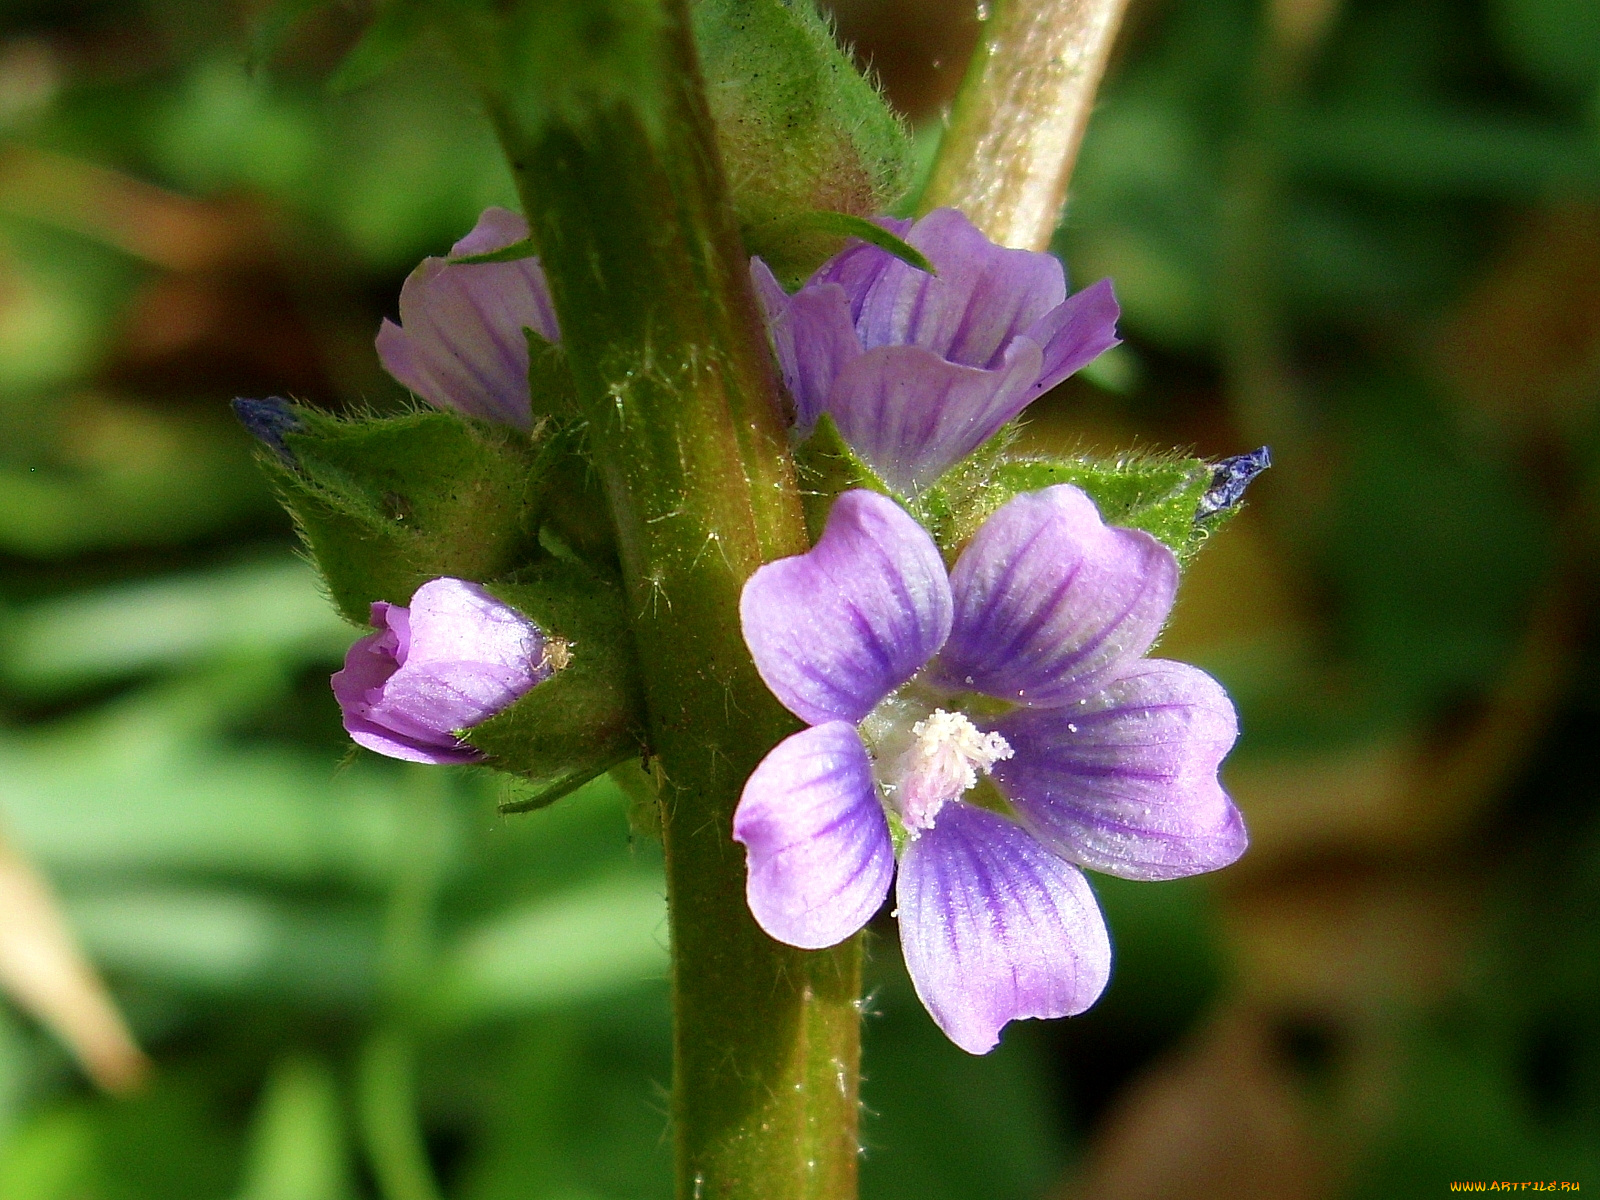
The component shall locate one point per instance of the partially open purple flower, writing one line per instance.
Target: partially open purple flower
(460, 342)
(1000, 727)
(455, 657)
(920, 370)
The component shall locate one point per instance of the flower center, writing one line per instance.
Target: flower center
(942, 762)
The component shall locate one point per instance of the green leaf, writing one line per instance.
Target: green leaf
(844, 225)
(800, 129)
(393, 31)
(586, 942)
(1158, 495)
(297, 1145)
(385, 504)
(588, 716)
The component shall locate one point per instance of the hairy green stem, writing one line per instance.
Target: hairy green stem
(627, 203)
(1020, 115)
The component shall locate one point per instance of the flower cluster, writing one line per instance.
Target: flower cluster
(976, 737)
(1000, 725)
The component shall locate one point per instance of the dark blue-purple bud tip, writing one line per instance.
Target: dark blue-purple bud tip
(1229, 479)
(268, 420)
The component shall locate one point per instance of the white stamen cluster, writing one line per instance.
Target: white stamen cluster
(942, 764)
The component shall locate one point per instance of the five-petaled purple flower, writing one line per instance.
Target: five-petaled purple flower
(919, 370)
(1000, 726)
(460, 343)
(454, 658)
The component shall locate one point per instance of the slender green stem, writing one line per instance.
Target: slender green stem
(625, 196)
(386, 1094)
(1020, 115)
(385, 1086)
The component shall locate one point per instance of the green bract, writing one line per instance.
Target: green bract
(386, 503)
(800, 129)
(1158, 494)
(587, 716)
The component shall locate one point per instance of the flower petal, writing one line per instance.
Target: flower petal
(496, 229)
(813, 337)
(995, 928)
(359, 688)
(983, 296)
(1075, 333)
(1125, 781)
(452, 620)
(911, 415)
(1050, 601)
(860, 265)
(820, 858)
(460, 342)
(835, 630)
(470, 657)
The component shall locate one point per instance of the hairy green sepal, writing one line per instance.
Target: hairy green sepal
(1160, 495)
(385, 504)
(587, 716)
(800, 129)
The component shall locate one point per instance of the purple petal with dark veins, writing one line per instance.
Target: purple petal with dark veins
(1050, 601)
(454, 658)
(819, 855)
(460, 342)
(859, 265)
(1125, 781)
(982, 297)
(835, 630)
(911, 415)
(1075, 333)
(995, 928)
(813, 337)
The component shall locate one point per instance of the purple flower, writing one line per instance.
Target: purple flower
(920, 370)
(455, 657)
(998, 726)
(460, 342)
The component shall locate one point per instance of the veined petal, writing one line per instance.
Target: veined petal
(819, 854)
(859, 265)
(360, 690)
(435, 750)
(452, 620)
(813, 337)
(470, 657)
(1050, 601)
(835, 630)
(1125, 780)
(981, 298)
(995, 928)
(460, 342)
(496, 229)
(1075, 333)
(912, 415)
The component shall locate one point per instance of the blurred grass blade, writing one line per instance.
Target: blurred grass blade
(599, 938)
(269, 606)
(297, 1143)
(42, 969)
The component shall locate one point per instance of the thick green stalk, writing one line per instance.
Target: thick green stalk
(625, 195)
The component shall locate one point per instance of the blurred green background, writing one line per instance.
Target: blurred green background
(1367, 233)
